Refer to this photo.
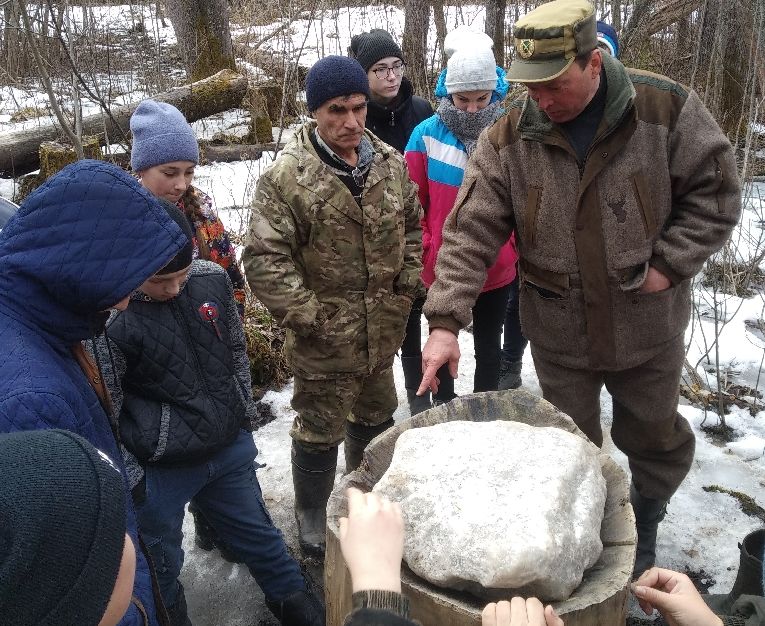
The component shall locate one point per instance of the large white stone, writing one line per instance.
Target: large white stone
(498, 505)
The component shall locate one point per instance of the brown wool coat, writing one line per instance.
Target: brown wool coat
(659, 186)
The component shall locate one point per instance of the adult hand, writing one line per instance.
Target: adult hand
(372, 542)
(674, 595)
(441, 346)
(519, 612)
(655, 281)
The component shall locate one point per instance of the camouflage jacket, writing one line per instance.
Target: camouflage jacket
(339, 277)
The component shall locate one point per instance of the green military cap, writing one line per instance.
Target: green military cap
(549, 38)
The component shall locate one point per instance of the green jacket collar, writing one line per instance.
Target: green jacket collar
(534, 124)
(311, 168)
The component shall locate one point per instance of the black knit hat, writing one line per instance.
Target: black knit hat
(186, 254)
(334, 76)
(62, 529)
(369, 48)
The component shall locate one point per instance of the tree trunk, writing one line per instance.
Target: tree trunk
(14, 51)
(204, 36)
(495, 27)
(414, 44)
(222, 153)
(616, 15)
(641, 10)
(217, 93)
(440, 21)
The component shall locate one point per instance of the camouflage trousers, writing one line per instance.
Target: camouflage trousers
(324, 406)
(657, 440)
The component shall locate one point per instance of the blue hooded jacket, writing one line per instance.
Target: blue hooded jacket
(79, 244)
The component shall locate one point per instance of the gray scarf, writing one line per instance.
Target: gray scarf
(366, 152)
(467, 126)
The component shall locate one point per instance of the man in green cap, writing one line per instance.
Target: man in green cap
(619, 184)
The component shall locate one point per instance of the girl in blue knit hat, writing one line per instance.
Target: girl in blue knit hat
(470, 91)
(164, 154)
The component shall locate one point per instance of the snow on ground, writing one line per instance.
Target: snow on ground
(701, 530)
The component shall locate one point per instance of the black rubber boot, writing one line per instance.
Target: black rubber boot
(302, 608)
(412, 367)
(509, 373)
(178, 611)
(206, 537)
(438, 401)
(749, 577)
(313, 476)
(357, 437)
(648, 514)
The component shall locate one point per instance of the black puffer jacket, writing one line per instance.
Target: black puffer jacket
(185, 382)
(395, 125)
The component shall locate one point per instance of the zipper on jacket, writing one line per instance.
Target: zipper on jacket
(602, 137)
(392, 118)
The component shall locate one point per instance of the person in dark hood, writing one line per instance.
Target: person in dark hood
(176, 366)
(78, 246)
(393, 110)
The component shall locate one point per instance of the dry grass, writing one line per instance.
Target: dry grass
(265, 347)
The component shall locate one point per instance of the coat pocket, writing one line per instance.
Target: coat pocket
(393, 313)
(549, 319)
(654, 318)
(530, 215)
(643, 197)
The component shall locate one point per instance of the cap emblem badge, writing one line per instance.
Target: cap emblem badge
(526, 48)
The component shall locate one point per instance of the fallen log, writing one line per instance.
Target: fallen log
(220, 92)
(209, 152)
(225, 153)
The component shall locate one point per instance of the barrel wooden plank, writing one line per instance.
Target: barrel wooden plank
(602, 596)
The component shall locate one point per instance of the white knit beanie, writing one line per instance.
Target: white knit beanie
(471, 65)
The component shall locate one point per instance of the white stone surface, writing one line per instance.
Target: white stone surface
(501, 504)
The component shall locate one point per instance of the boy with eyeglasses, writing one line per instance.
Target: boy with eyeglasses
(393, 110)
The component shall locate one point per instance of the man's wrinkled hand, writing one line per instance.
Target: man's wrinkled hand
(441, 347)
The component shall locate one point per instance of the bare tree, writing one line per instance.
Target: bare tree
(440, 21)
(204, 35)
(495, 27)
(64, 124)
(415, 42)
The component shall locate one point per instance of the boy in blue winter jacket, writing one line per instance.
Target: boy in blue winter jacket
(78, 245)
(180, 383)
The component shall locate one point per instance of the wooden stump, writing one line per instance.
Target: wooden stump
(256, 101)
(601, 598)
(55, 156)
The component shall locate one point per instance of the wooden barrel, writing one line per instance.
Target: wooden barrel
(601, 598)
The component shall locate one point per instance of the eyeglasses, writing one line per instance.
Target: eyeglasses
(382, 72)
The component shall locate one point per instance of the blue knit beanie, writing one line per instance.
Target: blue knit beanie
(160, 135)
(334, 76)
(607, 36)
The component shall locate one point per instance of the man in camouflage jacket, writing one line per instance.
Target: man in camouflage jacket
(619, 185)
(334, 252)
